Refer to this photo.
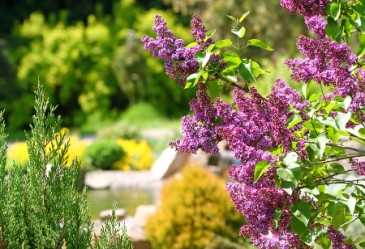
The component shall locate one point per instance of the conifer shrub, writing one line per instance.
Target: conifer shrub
(41, 206)
(195, 212)
(102, 153)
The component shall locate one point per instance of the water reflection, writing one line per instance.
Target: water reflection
(128, 198)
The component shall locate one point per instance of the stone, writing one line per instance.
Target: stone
(168, 163)
(142, 213)
(136, 226)
(94, 181)
(120, 213)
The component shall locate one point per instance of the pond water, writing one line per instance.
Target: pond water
(128, 198)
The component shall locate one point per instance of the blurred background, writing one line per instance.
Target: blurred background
(121, 110)
(89, 57)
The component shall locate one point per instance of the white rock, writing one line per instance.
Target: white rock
(168, 163)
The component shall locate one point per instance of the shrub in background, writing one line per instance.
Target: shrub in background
(102, 153)
(77, 149)
(17, 153)
(42, 207)
(138, 155)
(194, 212)
(120, 129)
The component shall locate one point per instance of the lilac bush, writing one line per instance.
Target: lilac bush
(299, 184)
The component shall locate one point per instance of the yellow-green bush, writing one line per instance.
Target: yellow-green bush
(195, 211)
(138, 155)
(18, 151)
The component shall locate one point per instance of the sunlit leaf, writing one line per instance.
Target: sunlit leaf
(260, 169)
(240, 33)
(245, 69)
(243, 17)
(294, 120)
(223, 43)
(260, 44)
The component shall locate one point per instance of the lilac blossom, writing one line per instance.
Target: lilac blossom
(329, 63)
(179, 61)
(250, 127)
(305, 7)
(337, 238)
(199, 130)
(358, 166)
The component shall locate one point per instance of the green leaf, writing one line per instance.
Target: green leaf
(243, 16)
(302, 211)
(287, 187)
(223, 43)
(314, 97)
(190, 80)
(245, 69)
(332, 29)
(213, 89)
(336, 168)
(231, 58)
(277, 214)
(338, 214)
(347, 102)
(335, 10)
(342, 119)
(287, 175)
(240, 33)
(192, 44)
(361, 132)
(291, 157)
(298, 226)
(329, 107)
(351, 204)
(199, 56)
(257, 69)
(233, 18)
(294, 120)
(305, 89)
(206, 58)
(328, 121)
(324, 242)
(360, 24)
(260, 169)
(322, 141)
(260, 44)
(360, 49)
(333, 134)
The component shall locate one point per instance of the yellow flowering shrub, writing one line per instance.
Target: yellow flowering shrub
(138, 155)
(76, 149)
(18, 153)
(195, 212)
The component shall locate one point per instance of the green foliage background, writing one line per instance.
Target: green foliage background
(91, 61)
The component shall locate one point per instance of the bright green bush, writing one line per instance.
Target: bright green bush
(102, 153)
(93, 68)
(195, 212)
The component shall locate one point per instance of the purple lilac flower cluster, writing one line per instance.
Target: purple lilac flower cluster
(252, 126)
(305, 7)
(358, 166)
(337, 238)
(199, 130)
(179, 61)
(329, 63)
